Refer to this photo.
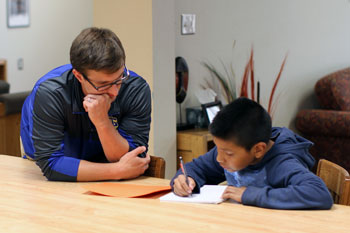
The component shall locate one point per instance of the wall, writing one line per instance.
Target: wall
(45, 44)
(132, 22)
(148, 38)
(314, 33)
(164, 110)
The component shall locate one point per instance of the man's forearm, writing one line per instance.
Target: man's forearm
(90, 171)
(113, 144)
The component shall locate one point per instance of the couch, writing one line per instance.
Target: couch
(329, 127)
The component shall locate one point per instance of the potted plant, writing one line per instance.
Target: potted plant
(227, 82)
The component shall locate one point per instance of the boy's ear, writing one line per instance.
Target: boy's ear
(259, 149)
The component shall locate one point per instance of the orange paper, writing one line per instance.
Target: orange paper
(125, 190)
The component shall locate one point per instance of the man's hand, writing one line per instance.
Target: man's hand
(132, 166)
(97, 106)
(181, 188)
(234, 193)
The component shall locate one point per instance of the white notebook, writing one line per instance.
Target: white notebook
(210, 194)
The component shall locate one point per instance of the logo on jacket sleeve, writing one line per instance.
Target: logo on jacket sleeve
(114, 122)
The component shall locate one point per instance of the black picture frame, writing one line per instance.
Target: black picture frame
(210, 110)
(18, 13)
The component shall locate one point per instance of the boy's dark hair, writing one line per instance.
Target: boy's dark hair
(243, 121)
(97, 49)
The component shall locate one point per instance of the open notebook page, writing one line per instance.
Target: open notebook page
(210, 194)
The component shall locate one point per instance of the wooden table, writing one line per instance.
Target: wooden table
(29, 203)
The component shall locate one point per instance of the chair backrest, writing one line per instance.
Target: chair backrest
(337, 180)
(23, 154)
(156, 167)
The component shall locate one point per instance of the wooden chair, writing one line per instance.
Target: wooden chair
(21, 148)
(156, 167)
(337, 180)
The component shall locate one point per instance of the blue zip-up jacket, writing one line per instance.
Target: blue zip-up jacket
(281, 180)
(57, 132)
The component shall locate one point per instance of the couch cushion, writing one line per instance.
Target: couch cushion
(318, 122)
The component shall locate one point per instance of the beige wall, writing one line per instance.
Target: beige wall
(132, 22)
(146, 29)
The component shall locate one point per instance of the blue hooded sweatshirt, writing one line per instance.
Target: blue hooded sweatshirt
(281, 180)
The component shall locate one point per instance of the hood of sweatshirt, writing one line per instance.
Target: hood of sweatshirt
(287, 142)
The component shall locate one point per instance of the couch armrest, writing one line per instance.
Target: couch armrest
(4, 87)
(12, 103)
(324, 122)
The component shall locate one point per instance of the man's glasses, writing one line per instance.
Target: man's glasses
(109, 85)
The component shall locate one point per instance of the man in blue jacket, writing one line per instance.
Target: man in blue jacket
(89, 120)
(264, 166)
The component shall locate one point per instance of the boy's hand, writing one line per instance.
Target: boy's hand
(234, 193)
(181, 188)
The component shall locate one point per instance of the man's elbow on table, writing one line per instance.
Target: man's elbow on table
(54, 171)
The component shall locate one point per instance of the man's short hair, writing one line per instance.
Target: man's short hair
(244, 122)
(97, 49)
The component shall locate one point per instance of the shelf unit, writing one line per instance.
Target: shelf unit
(193, 143)
(3, 70)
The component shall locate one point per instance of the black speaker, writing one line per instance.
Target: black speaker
(194, 116)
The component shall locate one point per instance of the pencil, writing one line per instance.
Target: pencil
(184, 171)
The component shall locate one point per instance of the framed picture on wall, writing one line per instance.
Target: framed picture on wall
(17, 13)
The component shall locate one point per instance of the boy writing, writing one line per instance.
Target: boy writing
(264, 166)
